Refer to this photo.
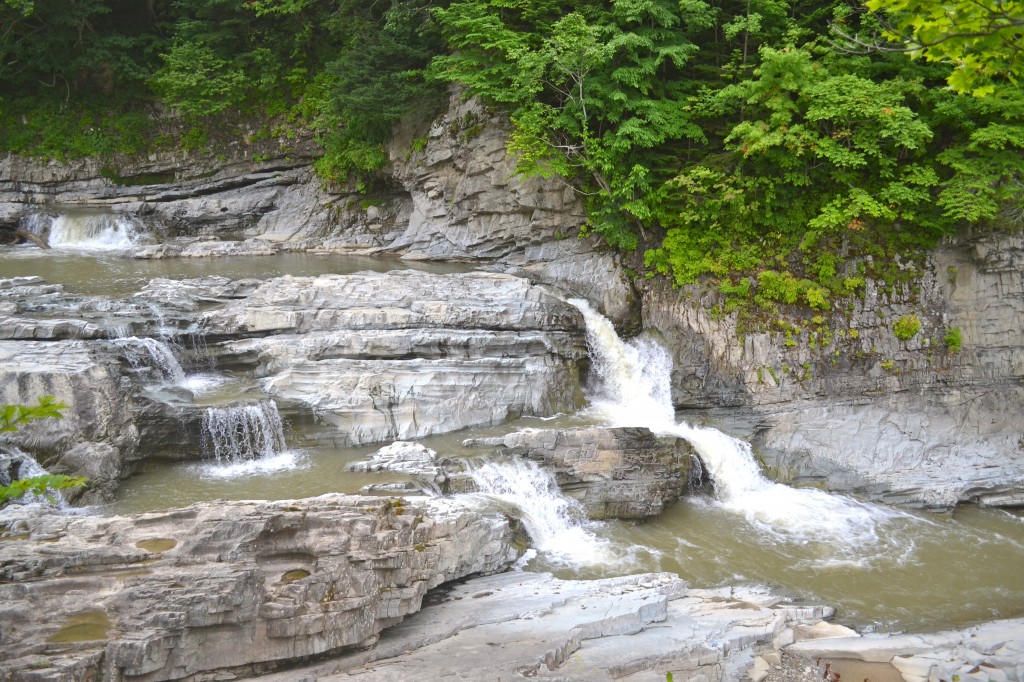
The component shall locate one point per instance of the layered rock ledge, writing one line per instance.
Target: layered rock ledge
(405, 354)
(235, 587)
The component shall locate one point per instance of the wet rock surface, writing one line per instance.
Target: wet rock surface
(230, 586)
(904, 420)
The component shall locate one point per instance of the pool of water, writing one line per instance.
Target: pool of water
(117, 274)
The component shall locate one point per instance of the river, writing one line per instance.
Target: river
(882, 567)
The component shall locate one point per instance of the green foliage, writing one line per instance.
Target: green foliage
(38, 485)
(954, 340)
(12, 417)
(984, 39)
(197, 81)
(907, 327)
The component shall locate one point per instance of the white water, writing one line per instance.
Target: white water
(30, 468)
(556, 524)
(634, 390)
(145, 352)
(86, 231)
(245, 439)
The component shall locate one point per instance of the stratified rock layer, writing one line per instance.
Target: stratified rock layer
(406, 354)
(225, 586)
(635, 628)
(853, 406)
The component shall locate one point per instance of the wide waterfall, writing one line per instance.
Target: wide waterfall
(633, 389)
(245, 439)
(85, 231)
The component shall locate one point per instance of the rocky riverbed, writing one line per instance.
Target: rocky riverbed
(223, 590)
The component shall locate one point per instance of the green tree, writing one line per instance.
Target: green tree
(12, 417)
(982, 39)
(592, 92)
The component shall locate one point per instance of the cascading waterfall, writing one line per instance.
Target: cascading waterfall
(145, 352)
(86, 231)
(245, 439)
(634, 390)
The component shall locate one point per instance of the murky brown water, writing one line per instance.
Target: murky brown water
(112, 275)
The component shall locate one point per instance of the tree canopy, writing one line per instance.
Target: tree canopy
(725, 138)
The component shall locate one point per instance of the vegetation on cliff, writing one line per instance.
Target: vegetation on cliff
(753, 141)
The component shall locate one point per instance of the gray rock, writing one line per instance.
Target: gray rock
(399, 456)
(635, 628)
(861, 410)
(990, 651)
(406, 354)
(227, 587)
(83, 376)
(623, 473)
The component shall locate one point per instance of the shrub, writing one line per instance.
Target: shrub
(954, 340)
(907, 327)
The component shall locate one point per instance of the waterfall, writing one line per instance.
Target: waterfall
(86, 231)
(146, 352)
(17, 465)
(233, 435)
(633, 389)
(556, 523)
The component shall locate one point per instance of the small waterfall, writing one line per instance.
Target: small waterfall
(634, 390)
(556, 523)
(146, 352)
(86, 231)
(233, 435)
(17, 465)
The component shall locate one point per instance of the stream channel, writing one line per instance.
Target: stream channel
(884, 568)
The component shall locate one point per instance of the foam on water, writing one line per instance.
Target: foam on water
(283, 461)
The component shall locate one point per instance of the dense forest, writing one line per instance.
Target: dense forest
(752, 141)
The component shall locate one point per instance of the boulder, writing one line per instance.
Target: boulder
(226, 587)
(83, 376)
(623, 473)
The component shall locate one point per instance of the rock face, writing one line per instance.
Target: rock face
(635, 628)
(860, 409)
(238, 586)
(456, 198)
(405, 354)
(94, 428)
(616, 473)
